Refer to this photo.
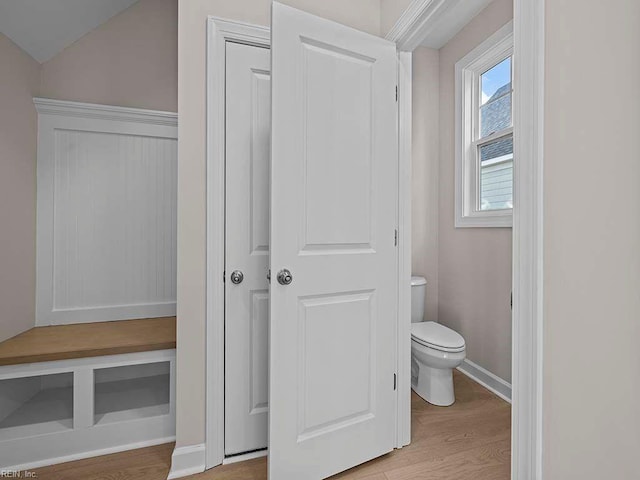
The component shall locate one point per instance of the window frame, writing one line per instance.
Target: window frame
(468, 71)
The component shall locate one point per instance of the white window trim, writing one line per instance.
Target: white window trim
(493, 50)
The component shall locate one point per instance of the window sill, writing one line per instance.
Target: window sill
(500, 220)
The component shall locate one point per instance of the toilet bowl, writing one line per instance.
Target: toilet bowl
(435, 351)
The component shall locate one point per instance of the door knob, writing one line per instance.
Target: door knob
(285, 277)
(236, 277)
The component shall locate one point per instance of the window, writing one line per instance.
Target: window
(484, 133)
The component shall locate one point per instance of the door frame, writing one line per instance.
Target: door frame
(433, 20)
(418, 21)
(220, 31)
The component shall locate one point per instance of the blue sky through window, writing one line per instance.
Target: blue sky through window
(494, 78)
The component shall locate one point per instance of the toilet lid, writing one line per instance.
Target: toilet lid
(434, 335)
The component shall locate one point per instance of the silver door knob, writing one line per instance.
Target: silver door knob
(285, 277)
(236, 277)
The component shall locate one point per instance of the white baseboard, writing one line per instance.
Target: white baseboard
(487, 379)
(245, 456)
(187, 460)
(90, 454)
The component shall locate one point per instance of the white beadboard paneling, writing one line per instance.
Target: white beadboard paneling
(106, 214)
(115, 222)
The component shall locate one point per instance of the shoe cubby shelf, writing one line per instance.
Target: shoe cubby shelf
(57, 411)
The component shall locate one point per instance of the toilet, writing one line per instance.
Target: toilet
(435, 351)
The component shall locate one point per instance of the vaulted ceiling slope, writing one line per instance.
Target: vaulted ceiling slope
(44, 28)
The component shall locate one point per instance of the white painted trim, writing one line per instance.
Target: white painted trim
(467, 72)
(85, 436)
(526, 425)
(219, 32)
(403, 422)
(56, 115)
(527, 335)
(487, 379)
(91, 454)
(433, 22)
(527, 227)
(67, 108)
(245, 456)
(105, 361)
(187, 460)
(497, 160)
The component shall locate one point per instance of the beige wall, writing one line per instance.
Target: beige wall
(19, 82)
(390, 12)
(131, 61)
(592, 240)
(192, 14)
(468, 270)
(474, 270)
(425, 173)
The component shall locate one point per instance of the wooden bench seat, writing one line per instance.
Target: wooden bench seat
(63, 342)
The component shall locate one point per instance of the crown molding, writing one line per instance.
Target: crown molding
(433, 23)
(68, 108)
(239, 31)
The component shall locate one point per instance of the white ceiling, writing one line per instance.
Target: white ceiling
(44, 28)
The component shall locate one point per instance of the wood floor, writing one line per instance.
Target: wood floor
(469, 440)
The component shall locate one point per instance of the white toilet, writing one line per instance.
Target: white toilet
(435, 351)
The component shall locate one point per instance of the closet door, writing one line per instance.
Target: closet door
(248, 118)
(334, 190)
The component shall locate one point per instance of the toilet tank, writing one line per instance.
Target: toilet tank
(418, 291)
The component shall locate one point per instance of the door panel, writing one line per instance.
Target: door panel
(248, 119)
(333, 220)
(352, 315)
(337, 90)
(258, 359)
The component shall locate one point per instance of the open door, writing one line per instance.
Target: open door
(334, 191)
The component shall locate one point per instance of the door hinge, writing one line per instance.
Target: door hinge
(395, 237)
(224, 276)
(396, 93)
(394, 381)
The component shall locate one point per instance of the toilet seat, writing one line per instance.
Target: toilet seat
(437, 336)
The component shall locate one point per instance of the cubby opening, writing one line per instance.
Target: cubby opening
(36, 405)
(131, 392)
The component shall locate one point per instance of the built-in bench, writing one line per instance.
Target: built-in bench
(75, 391)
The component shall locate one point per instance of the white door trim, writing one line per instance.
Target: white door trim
(219, 31)
(427, 19)
(403, 423)
(527, 364)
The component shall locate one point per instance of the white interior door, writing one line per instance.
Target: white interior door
(248, 119)
(333, 220)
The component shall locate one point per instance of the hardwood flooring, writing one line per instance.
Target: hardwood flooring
(62, 342)
(468, 441)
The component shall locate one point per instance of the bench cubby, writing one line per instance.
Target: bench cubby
(36, 405)
(63, 410)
